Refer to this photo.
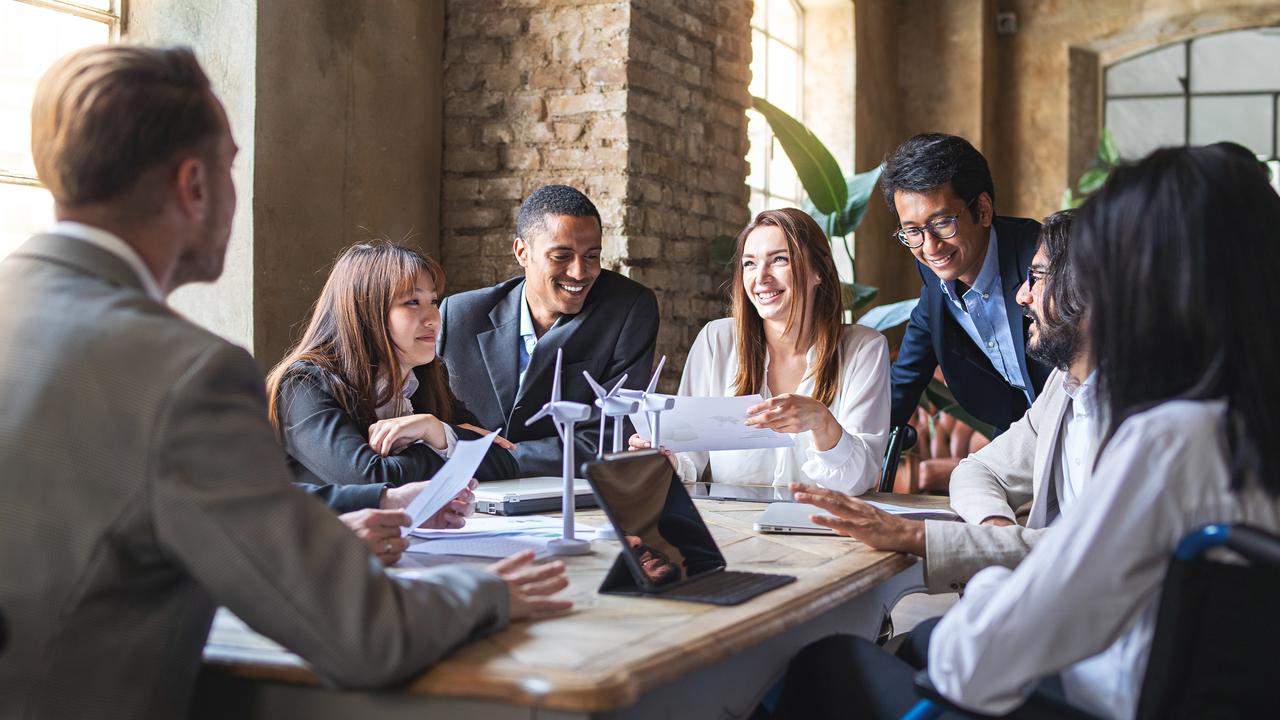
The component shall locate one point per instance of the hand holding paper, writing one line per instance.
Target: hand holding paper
(712, 423)
(452, 479)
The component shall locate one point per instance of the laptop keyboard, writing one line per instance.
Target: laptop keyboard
(727, 587)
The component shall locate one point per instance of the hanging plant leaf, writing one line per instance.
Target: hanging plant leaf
(883, 317)
(723, 248)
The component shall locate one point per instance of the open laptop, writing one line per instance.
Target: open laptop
(793, 517)
(529, 495)
(667, 550)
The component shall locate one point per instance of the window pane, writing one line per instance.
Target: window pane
(23, 211)
(1242, 60)
(32, 39)
(757, 204)
(1243, 119)
(103, 5)
(758, 13)
(759, 60)
(1274, 167)
(1155, 72)
(783, 181)
(784, 78)
(759, 135)
(784, 22)
(1140, 126)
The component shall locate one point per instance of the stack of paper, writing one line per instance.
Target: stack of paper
(496, 536)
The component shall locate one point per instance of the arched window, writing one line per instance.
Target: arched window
(1203, 90)
(34, 33)
(777, 67)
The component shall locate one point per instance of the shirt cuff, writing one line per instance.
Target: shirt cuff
(839, 454)
(450, 442)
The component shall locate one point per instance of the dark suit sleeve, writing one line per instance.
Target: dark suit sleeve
(498, 463)
(916, 362)
(345, 498)
(321, 435)
(633, 355)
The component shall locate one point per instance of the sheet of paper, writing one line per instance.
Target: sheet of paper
(711, 423)
(501, 525)
(914, 512)
(448, 481)
(494, 545)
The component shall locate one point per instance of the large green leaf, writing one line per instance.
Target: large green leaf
(1108, 152)
(722, 249)
(883, 317)
(818, 171)
(860, 188)
(856, 295)
(1092, 180)
(941, 397)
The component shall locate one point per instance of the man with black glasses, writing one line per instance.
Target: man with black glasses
(971, 262)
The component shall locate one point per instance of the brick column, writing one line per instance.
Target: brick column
(639, 104)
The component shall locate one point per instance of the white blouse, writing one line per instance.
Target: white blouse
(861, 406)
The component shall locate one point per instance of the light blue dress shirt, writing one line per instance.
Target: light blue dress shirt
(528, 336)
(982, 314)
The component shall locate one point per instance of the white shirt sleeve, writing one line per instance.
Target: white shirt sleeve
(852, 465)
(697, 380)
(450, 442)
(1090, 580)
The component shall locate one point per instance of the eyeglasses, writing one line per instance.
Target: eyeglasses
(1033, 277)
(942, 228)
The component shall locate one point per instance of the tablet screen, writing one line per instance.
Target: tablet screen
(662, 534)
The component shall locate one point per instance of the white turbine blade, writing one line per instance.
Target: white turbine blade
(616, 386)
(560, 355)
(653, 382)
(545, 411)
(595, 386)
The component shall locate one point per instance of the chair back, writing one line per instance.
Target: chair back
(1214, 654)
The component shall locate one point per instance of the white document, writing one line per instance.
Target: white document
(449, 481)
(496, 537)
(711, 423)
(502, 525)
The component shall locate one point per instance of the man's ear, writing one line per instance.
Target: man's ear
(191, 188)
(521, 248)
(986, 210)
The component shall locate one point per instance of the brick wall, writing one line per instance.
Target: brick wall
(637, 103)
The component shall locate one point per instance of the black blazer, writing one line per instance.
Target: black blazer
(480, 334)
(934, 338)
(329, 454)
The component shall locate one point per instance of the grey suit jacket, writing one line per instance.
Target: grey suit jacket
(1016, 468)
(142, 487)
(615, 333)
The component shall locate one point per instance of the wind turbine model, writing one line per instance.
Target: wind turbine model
(611, 406)
(565, 415)
(655, 405)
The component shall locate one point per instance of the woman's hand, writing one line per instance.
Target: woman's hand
(791, 413)
(387, 436)
(380, 531)
(500, 441)
(530, 585)
(452, 516)
(635, 442)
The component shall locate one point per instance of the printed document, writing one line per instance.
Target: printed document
(710, 423)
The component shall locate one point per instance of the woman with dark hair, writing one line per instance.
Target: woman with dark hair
(361, 399)
(823, 381)
(1167, 257)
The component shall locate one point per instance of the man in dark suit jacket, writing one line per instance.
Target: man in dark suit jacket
(500, 343)
(972, 262)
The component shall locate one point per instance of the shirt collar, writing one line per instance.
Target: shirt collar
(396, 406)
(988, 276)
(526, 320)
(113, 244)
(1084, 396)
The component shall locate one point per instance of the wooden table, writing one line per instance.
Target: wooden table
(615, 657)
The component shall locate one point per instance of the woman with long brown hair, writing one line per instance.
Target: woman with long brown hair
(362, 399)
(823, 381)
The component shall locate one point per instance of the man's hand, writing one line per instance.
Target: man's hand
(530, 585)
(453, 515)
(380, 531)
(868, 524)
(997, 520)
(392, 434)
(635, 442)
(499, 441)
(791, 413)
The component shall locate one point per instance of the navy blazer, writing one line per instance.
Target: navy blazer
(934, 338)
(615, 333)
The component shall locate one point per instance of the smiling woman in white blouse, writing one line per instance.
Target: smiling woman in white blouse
(824, 382)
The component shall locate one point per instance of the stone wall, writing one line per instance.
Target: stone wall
(639, 104)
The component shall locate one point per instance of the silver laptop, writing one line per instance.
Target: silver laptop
(523, 496)
(793, 517)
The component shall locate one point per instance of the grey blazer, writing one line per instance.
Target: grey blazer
(142, 487)
(1016, 468)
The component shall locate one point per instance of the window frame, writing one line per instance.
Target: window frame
(766, 190)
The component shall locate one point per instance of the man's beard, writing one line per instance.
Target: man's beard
(1056, 345)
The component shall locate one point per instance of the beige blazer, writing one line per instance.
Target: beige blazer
(142, 486)
(1016, 468)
